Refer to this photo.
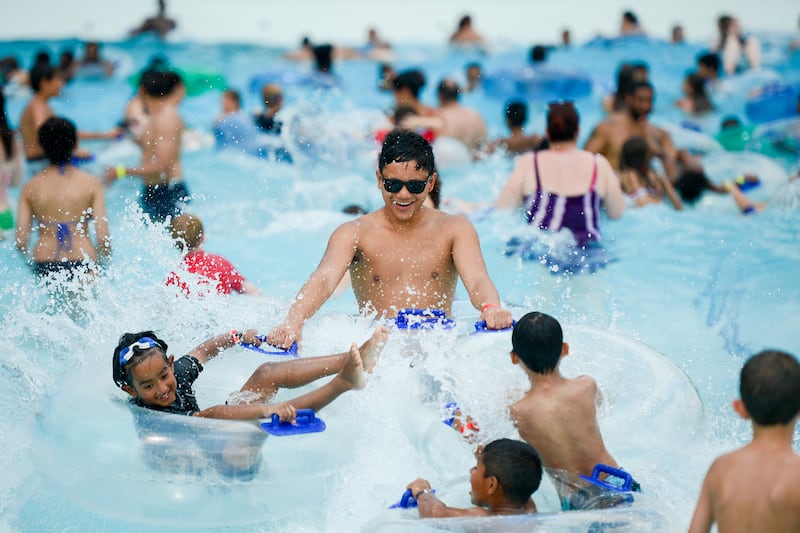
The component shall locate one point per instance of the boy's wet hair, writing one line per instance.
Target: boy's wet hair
(122, 373)
(448, 90)
(634, 154)
(413, 80)
(691, 184)
(517, 113)
(58, 137)
(770, 387)
(159, 83)
(401, 146)
(538, 54)
(40, 72)
(517, 467)
(537, 339)
(562, 121)
(187, 230)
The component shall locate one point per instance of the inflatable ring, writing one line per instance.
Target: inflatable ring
(196, 80)
(773, 102)
(292, 77)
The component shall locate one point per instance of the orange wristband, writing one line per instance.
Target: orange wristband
(487, 306)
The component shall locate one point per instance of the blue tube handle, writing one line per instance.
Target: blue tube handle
(480, 327)
(292, 350)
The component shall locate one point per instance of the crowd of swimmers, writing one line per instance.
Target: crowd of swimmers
(411, 254)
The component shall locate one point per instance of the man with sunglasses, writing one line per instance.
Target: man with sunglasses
(403, 255)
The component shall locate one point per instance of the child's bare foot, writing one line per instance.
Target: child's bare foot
(353, 370)
(371, 350)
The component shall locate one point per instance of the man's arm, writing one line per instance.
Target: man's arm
(429, 506)
(667, 153)
(24, 221)
(471, 267)
(319, 287)
(165, 155)
(703, 517)
(101, 222)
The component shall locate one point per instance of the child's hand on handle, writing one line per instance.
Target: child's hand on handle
(284, 335)
(286, 412)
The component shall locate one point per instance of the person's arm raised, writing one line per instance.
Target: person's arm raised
(215, 345)
(471, 267)
(319, 287)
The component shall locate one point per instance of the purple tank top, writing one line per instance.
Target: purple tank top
(578, 213)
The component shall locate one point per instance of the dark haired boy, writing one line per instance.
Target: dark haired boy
(154, 380)
(558, 415)
(164, 193)
(757, 487)
(503, 481)
(403, 255)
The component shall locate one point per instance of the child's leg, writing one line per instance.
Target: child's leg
(269, 377)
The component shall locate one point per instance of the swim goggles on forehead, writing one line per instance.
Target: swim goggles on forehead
(145, 343)
(393, 185)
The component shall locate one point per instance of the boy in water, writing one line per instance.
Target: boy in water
(558, 415)
(214, 270)
(156, 381)
(503, 481)
(757, 488)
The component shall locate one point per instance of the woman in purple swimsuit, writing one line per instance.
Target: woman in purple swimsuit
(59, 202)
(564, 186)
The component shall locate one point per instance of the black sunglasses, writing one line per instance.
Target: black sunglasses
(393, 185)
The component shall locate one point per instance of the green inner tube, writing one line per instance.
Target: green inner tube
(196, 80)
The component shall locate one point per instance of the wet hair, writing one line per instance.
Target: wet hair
(562, 121)
(448, 91)
(436, 192)
(630, 17)
(187, 230)
(42, 57)
(7, 67)
(640, 66)
(354, 209)
(517, 467)
(730, 121)
(465, 21)
(624, 84)
(323, 57)
(691, 184)
(538, 54)
(697, 85)
(234, 95)
(710, 61)
(121, 374)
(58, 137)
(537, 339)
(413, 80)
(517, 113)
(6, 135)
(403, 111)
(770, 387)
(637, 85)
(40, 73)
(634, 154)
(401, 146)
(159, 83)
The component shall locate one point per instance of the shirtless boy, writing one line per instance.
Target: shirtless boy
(403, 255)
(164, 191)
(609, 136)
(757, 488)
(46, 84)
(503, 481)
(558, 415)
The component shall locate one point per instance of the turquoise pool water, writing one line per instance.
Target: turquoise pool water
(705, 288)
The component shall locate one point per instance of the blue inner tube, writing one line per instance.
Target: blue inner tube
(537, 83)
(774, 102)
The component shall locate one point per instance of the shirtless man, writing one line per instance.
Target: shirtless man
(609, 136)
(46, 84)
(465, 34)
(558, 415)
(406, 87)
(403, 255)
(160, 170)
(459, 122)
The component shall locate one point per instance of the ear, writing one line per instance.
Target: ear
(514, 357)
(432, 181)
(171, 361)
(741, 410)
(492, 485)
(130, 390)
(379, 178)
(564, 349)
